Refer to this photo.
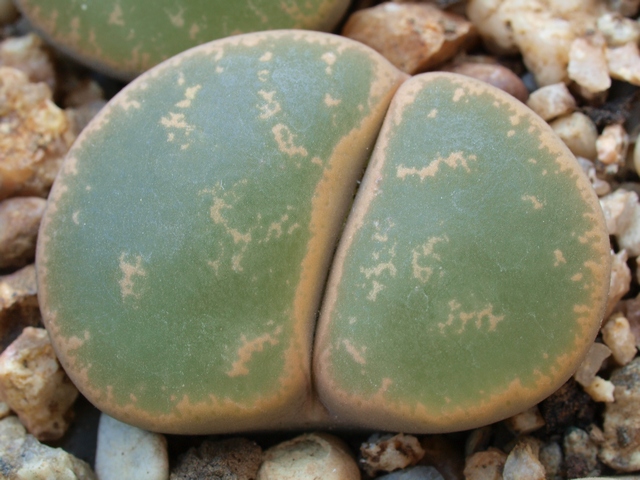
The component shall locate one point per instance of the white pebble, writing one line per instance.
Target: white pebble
(588, 64)
(525, 422)
(591, 364)
(624, 63)
(523, 463)
(128, 452)
(620, 280)
(612, 146)
(618, 30)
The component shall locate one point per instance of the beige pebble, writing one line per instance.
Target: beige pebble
(525, 422)
(617, 335)
(4, 410)
(125, 451)
(618, 208)
(552, 101)
(28, 55)
(35, 386)
(19, 222)
(600, 390)
(618, 30)
(389, 452)
(621, 449)
(620, 280)
(24, 458)
(18, 304)
(493, 73)
(591, 364)
(308, 457)
(612, 146)
(522, 462)
(413, 36)
(36, 136)
(600, 186)
(486, 465)
(624, 63)
(588, 64)
(578, 132)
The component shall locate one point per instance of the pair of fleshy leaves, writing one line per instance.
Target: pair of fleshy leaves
(185, 250)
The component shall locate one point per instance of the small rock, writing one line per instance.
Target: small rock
(588, 64)
(487, 465)
(581, 454)
(525, 422)
(600, 390)
(523, 463)
(552, 460)
(617, 335)
(127, 452)
(621, 449)
(35, 137)
(618, 30)
(619, 209)
(28, 55)
(628, 8)
(387, 453)
(591, 364)
(309, 457)
(624, 63)
(19, 222)
(35, 386)
(18, 304)
(601, 187)
(24, 458)
(444, 455)
(552, 101)
(412, 473)
(620, 280)
(612, 146)
(578, 132)
(493, 73)
(4, 410)
(236, 458)
(413, 36)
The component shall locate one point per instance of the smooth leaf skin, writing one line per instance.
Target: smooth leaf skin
(188, 237)
(125, 38)
(473, 271)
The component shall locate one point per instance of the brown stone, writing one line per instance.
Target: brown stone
(413, 36)
(494, 74)
(18, 304)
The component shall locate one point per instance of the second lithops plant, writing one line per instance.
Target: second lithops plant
(187, 242)
(125, 39)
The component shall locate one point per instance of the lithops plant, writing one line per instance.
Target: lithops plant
(187, 241)
(126, 38)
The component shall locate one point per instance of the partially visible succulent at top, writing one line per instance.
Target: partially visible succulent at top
(187, 242)
(125, 38)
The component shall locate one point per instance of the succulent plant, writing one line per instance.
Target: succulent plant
(187, 241)
(125, 39)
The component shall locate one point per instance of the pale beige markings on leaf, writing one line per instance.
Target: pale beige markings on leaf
(329, 101)
(433, 113)
(357, 354)
(129, 271)
(126, 104)
(537, 204)
(176, 19)
(176, 123)
(263, 75)
(75, 217)
(577, 277)
(271, 107)
(329, 58)
(559, 258)
(458, 94)
(458, 316)
(193, 31)
(259, 13)
(266, 57)
(189, 96)
(74, 30)
(115, 17)
(376, 288)
(454, 160)
(511, 133)
(286, 141)
(424, 253)
(248, 348)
